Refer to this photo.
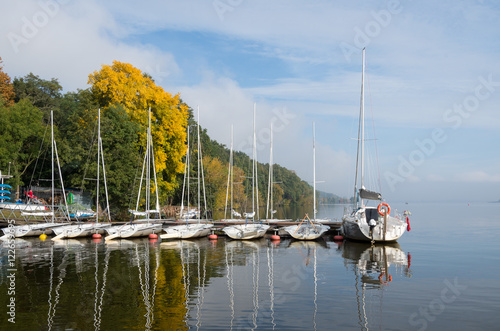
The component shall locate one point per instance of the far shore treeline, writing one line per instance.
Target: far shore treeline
(124, 94)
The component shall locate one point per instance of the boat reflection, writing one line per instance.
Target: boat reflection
(373, 262)
(374, 267)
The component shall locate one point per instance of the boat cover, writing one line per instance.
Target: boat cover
(370, 195)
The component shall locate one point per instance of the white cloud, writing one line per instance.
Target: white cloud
(75, 39)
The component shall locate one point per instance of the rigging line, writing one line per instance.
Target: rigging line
(89, 155)
(374, 136)
(39, 153)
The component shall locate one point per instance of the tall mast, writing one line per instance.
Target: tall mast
(270, 187)
(148, 170)
(198, 160)
(52, 158)
(231, 170)
(98, 163)
(361, 143)
(253, 163)
(362, 123)
(314, 171)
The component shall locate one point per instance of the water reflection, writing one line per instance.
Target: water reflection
(373, 267)
(198, 284)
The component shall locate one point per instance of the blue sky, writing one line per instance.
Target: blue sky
(432, 91)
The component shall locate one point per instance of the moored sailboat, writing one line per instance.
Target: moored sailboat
(249, 230)
(198, 229)
(89, 228)
(30, 230)
(312, 229)
(146, 226)
(366, 223)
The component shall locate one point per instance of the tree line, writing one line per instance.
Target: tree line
(124, 95)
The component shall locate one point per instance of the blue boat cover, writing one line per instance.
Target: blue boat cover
(5, 185)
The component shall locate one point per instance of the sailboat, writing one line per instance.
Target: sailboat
(229, 190)
(369, 223)
(145, 227)
(312, 229)
(196, 230)
(87, 229)
(270, 211)
(29, 230)
(249, 230)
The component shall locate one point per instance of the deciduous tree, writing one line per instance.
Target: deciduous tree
(123, 84)
(6, 88)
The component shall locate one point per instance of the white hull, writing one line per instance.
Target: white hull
(132, 230)
(79, 230)
(246, 231)
(186, 231)
(355, 227)
(29, 230)
(306, 231)
(22, 206)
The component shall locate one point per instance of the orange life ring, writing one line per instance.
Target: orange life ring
(383, 204)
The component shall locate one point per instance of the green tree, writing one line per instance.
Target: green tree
(22, 129)
(43, 94)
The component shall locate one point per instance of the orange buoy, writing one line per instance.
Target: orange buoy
(275, 237)
(338, 238)
(96, 236)
(212, 237)
(153, 236)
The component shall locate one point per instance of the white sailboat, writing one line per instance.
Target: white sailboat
(89, 228)
(363, 222)
(193, 230)
(270, 211)
(146, 226)
(313, 229)
(229, 187)
(250, 230)
(30, 230)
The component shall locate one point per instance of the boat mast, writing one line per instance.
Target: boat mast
(314, 171)
(198, 163)
(104, 170)
(52, 158)
(362, 122)
(148, 170)
(270, 188)
(254, 166)
(98, 163)
(361, 128)
(231, 170)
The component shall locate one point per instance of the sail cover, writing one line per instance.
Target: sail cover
(370, 195)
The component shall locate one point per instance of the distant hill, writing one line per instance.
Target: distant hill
(330, 198)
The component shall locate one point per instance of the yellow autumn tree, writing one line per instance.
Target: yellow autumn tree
(6, 88)
(122, 83)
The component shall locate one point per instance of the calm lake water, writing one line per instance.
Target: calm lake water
(443, 275)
